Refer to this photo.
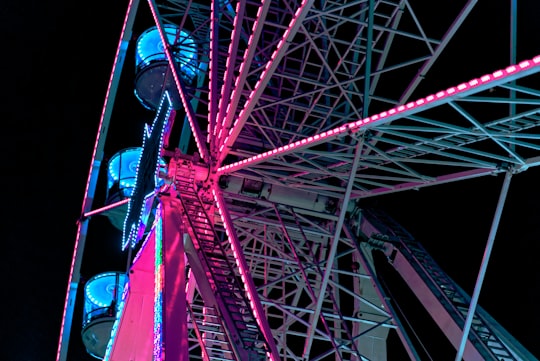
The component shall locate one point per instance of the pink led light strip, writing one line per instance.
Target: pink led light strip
(243, 269)
(510, 73)
(212, 80)
(229, 68)
(197, 135)
(268, 70)
(227, 111)
(73, 279)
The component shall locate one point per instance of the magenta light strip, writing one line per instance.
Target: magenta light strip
(158, 288)
(116, 324)
(212, 78)
(197, 135)
(269, 68)
(507, 74)
(73, 279)
(135, 232)
(229, 68)
(106, 208)
(243, 269)
(227, 112)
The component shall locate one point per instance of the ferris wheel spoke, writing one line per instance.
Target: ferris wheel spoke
(299, 110)
(213, 74)
(461, 91)
(270, 67)
(185, 98)
(228, 108)
(243, 270)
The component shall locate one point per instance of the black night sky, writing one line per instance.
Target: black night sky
(56, 61)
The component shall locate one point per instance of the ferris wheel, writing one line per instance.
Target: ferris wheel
(239, 206)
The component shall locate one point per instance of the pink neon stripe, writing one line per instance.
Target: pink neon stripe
(225, 89)
(233, 129)
(211, 113)
(243, 268)
(357, 125)
(249, 104)
(87, 201)
(106, 208)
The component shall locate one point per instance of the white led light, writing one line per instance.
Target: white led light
(134, 232)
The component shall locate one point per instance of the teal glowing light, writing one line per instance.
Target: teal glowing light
(122, 173)
(102, 295)
(150, 49)
(153, 75)
(158, 290)
(115, 326)
(102, 289)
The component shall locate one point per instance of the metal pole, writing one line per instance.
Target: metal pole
(331, 256)
(513, 56)
(484, 264)
(369, 53)
(97, 157)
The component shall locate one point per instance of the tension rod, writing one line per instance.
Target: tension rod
(484, 264)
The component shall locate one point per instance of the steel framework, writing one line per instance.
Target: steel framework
(299, 110)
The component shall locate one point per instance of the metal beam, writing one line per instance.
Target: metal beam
(269, 70)
(483, 265)
(97, 157)
(474, 86)
(332, 251)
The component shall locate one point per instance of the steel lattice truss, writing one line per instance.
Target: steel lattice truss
(307, 75)
(301, 107)
(286, 97)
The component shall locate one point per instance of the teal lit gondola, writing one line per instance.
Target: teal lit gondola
(152, 70)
